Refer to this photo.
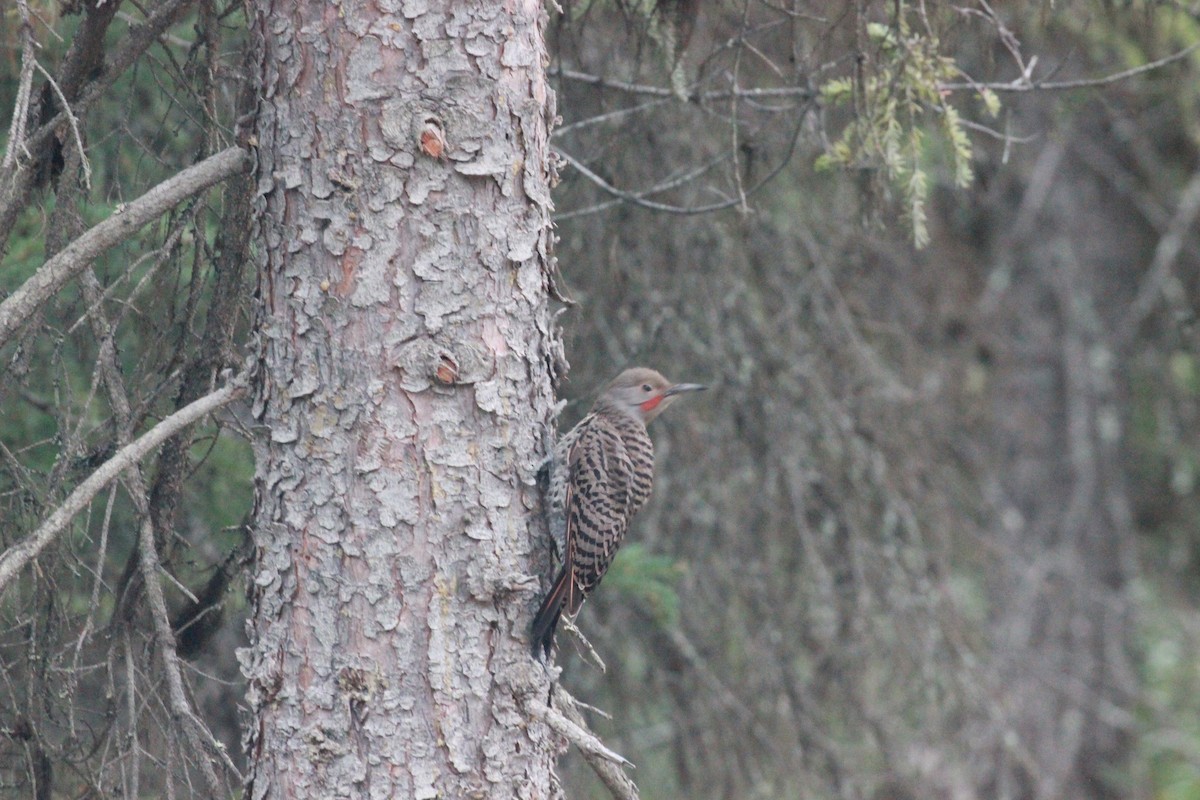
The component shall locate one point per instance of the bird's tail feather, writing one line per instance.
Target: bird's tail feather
(547, 616)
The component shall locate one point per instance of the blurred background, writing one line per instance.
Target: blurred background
(933, 533)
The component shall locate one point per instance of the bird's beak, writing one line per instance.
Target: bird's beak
(681, 388)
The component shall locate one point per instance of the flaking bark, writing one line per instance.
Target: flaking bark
(405, 355)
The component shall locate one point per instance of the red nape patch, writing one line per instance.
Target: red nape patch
(651, 404)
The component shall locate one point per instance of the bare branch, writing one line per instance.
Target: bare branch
(1026, 84)
(18, 178)
(73, 120)
(584, 647)
(635, 197)
(140, 38)
(1001, 136)
(160, 255)
(74, 258)
(19, 555)
(569, 723)
(802, 92)
(611, 116)
(132, 746)
(632, 88)
(16, 130)
(734, 131)
(197, 733)
(1166, 253)
(576, 734)
(638, 198)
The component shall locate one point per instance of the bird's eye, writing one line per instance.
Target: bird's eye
(645, 387)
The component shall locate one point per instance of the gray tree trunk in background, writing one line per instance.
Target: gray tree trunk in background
(1065, 688)
(404, 382)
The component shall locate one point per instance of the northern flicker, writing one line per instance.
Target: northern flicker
(601, 473)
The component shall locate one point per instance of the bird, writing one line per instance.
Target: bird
(600, 474)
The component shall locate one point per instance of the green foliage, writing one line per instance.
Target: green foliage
(894, 104)
(1185, 372)
(1137, 33)
(650, 578)
(1171, 677)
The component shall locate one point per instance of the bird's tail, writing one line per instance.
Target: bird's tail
(547, 616)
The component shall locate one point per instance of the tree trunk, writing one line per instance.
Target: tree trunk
(1065, 689)
(404, 381)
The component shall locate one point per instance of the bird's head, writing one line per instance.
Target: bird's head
(643, 393)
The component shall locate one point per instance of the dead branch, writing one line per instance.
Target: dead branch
(74, 258)
(195, 731)
(1026, 84)
(16, 130)
(584, 647)
(1158, 281)
(568, 722)
(19, 555)
(21, 173)
(72, 120)
(801, 92)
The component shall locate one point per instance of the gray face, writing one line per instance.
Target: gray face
(644, 393)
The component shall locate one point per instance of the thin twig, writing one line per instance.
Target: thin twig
(734, 130)
(134, 759)
(607, 83)
(1007, 138)
(609, 116)
(62, 98)
(564, 718)
(583, 646)
(16, 130)
(75, 257)
(1026, 84)
(669, 183)
(178, 584)
(802, 92)
(160, 256)
(196, 733)
(1166, 253)
(19, 180)
(577, 734)
(636, 198)
(90, 620)
(19, 555)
